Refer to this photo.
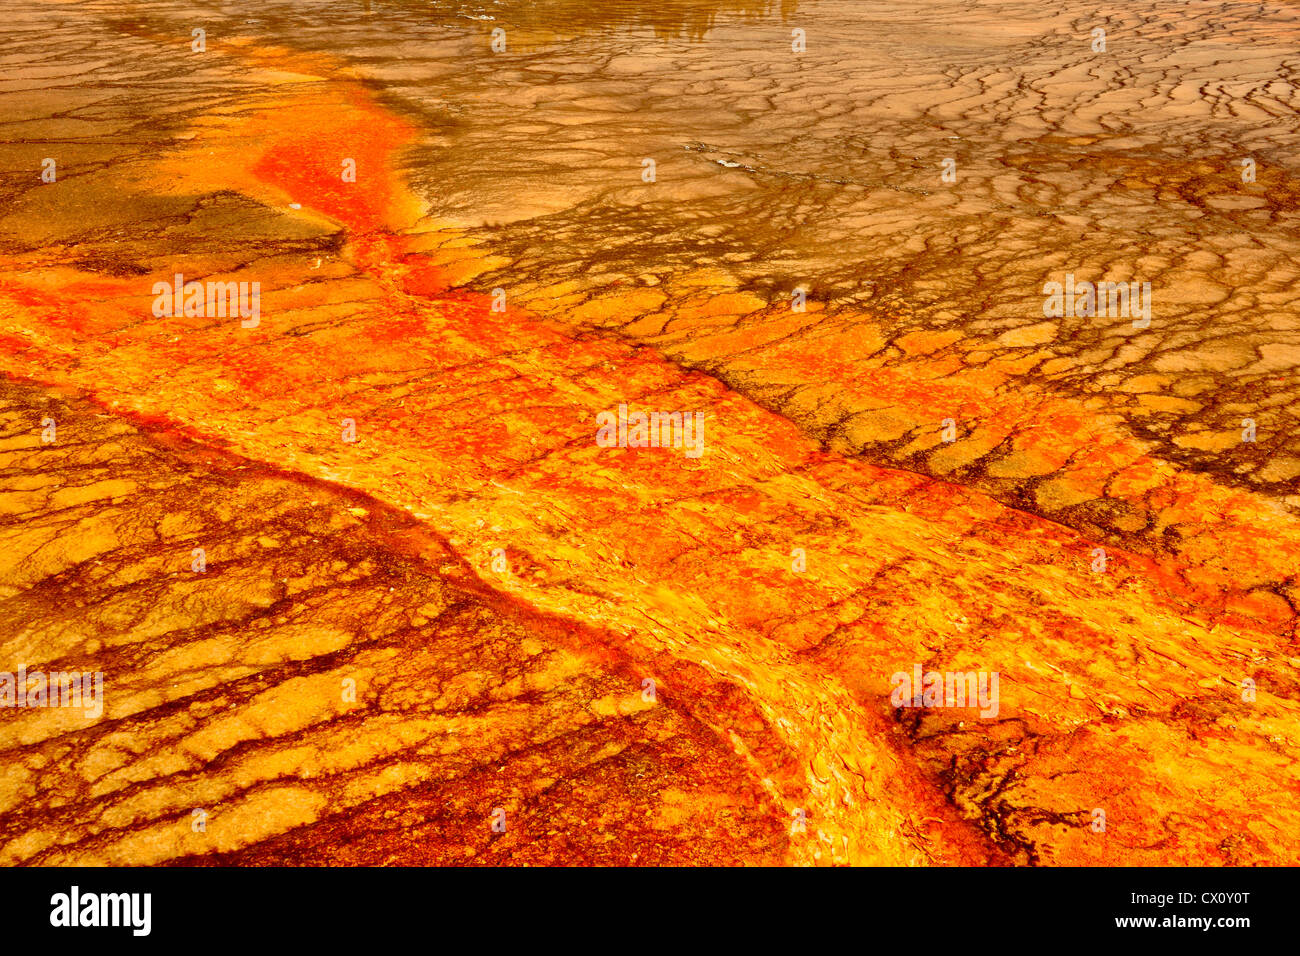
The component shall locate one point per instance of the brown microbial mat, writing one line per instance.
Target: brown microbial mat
(713, 432)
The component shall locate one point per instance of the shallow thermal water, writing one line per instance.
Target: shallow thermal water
(826, 228)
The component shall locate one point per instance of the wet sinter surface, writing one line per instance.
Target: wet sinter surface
(497, 586)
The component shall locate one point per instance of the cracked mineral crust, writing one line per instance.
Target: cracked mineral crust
(560, 446)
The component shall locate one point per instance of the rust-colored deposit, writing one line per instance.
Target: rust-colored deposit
(439, 622)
